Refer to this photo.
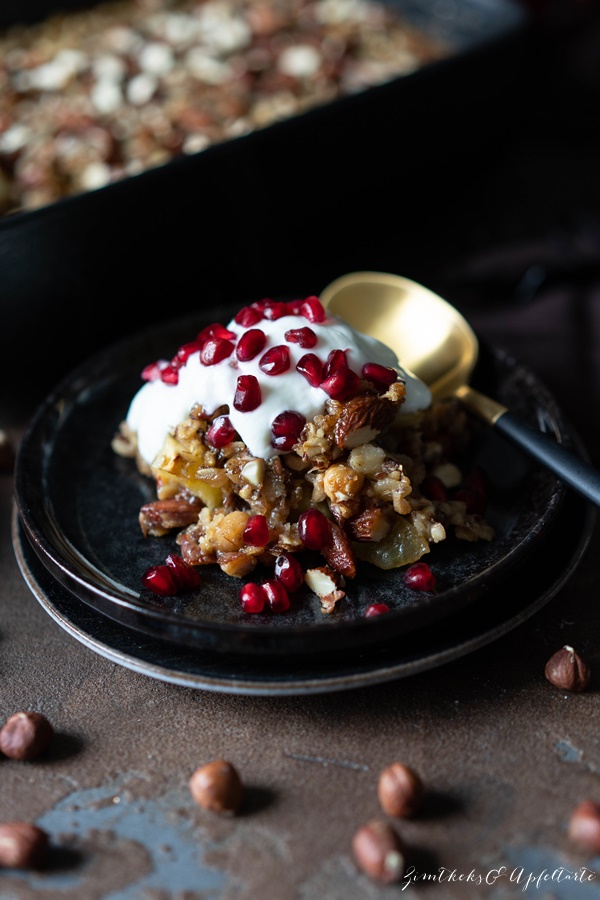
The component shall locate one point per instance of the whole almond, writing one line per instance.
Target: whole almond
(400, 790)
(379, 852)
(339, 553)
(217, 786)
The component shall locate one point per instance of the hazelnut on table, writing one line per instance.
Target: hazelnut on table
(22, 845)
(379, 852)
(567, 670)
(25, 735)
(400, 790)
(584, 826)
(217, 786)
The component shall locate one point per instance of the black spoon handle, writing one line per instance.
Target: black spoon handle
(573, 470)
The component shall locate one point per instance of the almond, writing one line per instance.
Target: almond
(361, 420)
(339, 553)
(325, 583)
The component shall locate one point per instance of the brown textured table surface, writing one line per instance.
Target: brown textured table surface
(504, 755)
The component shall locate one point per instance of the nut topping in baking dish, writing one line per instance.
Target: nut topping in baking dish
(287, 436)
(90, 97)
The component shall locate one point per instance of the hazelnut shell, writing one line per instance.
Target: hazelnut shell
(567, 671)
(379, 852)
(217, 786)
(400, 790)
(25, 735)
(22, 845)
(584, 826)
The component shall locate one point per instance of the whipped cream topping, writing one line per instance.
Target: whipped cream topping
(159, 407)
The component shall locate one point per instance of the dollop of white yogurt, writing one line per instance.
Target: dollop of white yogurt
(158, 407)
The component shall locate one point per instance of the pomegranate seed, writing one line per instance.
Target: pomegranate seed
(312, 368)
(312, 309)
(256, 532)
(473, 500)
(314, 529)
(275, 310)
(215, 350)
(169, 374)
(185, 351)
(305, 337)
(286, 429)
(473, 491)
(152, 371)
(261, 304)
(376, 609)
(250, 344)
(213, 331)
(252, 598)
(160, 580)
(247, 393)
(185, 576)
(342, 385)
(289, 572)
(295, 307)
(335, 362)
(221, 432)
(476, 480)
(248, 316)
(434, 488)
(275, 361)
(380, 376)
(277, 596)
(419, 577)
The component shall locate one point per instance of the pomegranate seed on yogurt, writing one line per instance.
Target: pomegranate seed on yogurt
(305, 337)
(250, 344)
(258, 385)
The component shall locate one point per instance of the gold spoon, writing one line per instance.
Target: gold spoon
(433, 340)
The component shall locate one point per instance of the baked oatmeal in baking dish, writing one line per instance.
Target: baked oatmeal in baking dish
(286, 435)
(93, 96)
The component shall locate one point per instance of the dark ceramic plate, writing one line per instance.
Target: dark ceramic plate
(79, 502)
(541, 576)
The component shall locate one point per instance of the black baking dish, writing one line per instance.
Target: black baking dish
(353, 184)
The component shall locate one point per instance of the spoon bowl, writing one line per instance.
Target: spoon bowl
(435, 342)
(429, 336)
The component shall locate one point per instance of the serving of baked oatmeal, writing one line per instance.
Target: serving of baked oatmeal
(288, 449)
